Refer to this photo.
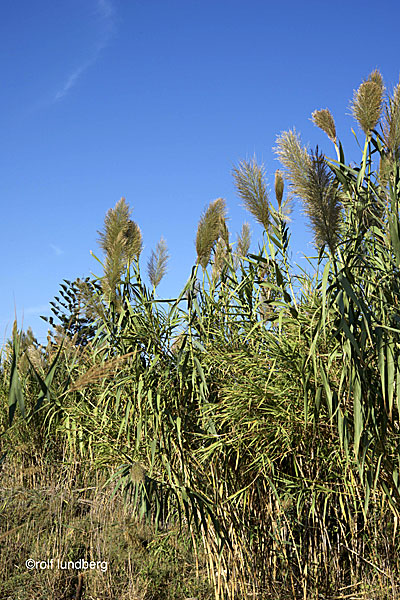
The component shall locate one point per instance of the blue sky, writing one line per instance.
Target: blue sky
(156, 101)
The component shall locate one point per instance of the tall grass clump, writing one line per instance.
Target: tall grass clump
(256, 415)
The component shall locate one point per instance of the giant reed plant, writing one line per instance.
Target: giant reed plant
(260, 408)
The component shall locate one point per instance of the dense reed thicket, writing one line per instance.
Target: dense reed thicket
(259, 410)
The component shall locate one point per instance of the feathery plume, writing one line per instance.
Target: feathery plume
(251, 188)
(137, 472)
(157, 264)
(121, 241)
(243, 242)
(36, 358)
(296, 161)
(224, 231)
(220, 256)
(115, 221)
(133, 241)
(367, 102)
(324, 120)
(377, 78)
(391, 124)
(322, 205)
(311, 180)
(120, 230)
(209, 229)
(113, 266)
(98, 373)
(279, 185)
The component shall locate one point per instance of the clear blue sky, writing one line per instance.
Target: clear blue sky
(157, 100)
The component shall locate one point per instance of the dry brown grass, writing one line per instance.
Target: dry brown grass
(64, 512)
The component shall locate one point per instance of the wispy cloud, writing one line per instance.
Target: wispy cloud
(105, 12)
(57, 251)
(72, 79)
(105, 9)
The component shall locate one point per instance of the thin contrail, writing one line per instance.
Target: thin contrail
(105, 10)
